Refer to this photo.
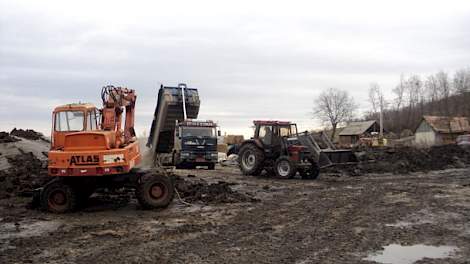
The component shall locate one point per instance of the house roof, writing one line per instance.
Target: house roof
(445, 124)
(357, 128)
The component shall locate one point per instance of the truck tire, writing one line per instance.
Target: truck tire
(284, 168)
(250, 160)
(310, 173)
(59, 197)
(211, 166)
(154, 192)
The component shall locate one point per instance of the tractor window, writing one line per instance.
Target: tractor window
(91, 119)
(285, 131)
(293, 129)
(67, 121)
(265, 134)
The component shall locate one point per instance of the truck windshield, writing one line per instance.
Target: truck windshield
(67, 121)
(198, 132)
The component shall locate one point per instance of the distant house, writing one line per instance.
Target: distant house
(351, 134)
(440, 130)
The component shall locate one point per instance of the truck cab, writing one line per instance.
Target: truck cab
(195, 144)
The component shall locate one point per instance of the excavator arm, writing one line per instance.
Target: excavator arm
(116, 100)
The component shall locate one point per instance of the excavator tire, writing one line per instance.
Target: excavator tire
(284, 168)
(154, 191)
(251, 160)
(59, 197)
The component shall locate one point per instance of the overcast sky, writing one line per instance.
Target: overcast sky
(249, 59)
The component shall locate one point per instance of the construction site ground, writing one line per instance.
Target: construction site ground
(335, 219)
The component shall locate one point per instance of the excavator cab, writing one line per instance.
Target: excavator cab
(73, 118)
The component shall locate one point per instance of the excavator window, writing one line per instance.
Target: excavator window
(92, 121)
(69, 121)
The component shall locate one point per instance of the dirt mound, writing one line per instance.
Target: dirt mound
(28, 134)
(6, 138)
(201, 190)
(25, 174)
(408, 159)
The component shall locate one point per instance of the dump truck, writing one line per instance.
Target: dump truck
(97, 148)
(278, 148)
(176, 137)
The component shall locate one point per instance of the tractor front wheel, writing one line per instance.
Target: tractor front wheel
(310, 173)
(285, 168)
(154, 191)
(251, 160)
(59, 197)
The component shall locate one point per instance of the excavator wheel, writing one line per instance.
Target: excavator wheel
(59, 197)
(251, 160)
(284, 168)
(154, 191)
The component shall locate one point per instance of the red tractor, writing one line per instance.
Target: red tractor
(275, 148)
(278, 148)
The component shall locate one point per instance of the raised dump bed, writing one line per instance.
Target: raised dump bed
(169, 109)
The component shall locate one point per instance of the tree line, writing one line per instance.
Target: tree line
(440, 94)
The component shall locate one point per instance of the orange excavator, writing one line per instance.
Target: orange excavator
(90, 149)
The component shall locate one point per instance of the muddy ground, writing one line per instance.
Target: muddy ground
(329, 220)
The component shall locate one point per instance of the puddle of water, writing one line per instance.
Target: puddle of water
(27, 229)
(406, 223)
(398, 254)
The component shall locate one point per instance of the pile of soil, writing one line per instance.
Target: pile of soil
(26, 174)
(6, 138)
(201, 191)
(28, 134)
(409, 159)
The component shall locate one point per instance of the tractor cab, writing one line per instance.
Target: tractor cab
(276, 137)
(73, 118)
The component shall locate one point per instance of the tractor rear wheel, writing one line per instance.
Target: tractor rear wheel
(251, 160)
(310, 173)
(154, 191)
(284, 168)
(59, 197)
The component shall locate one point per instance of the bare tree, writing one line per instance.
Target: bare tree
(334, 106)
(373, 97)
(399, 92)
(432, 91)
(461, 81)
(377, 99)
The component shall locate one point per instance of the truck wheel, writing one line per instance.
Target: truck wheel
(154, 192)
(251, 160)
(284, 168)
(310, 173)
(211, 166)
(59, 197)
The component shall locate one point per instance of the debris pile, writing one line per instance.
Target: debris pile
(201, 190)
(409, 159)
(28, 134)
(25, 174)
(7, 138)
